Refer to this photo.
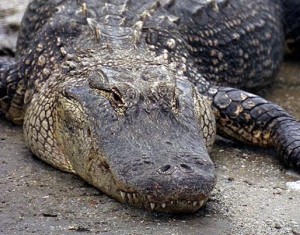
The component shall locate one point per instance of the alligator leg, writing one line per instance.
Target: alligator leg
(251, 119)
(12, 90)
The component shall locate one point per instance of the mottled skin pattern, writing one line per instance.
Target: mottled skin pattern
(129, 94)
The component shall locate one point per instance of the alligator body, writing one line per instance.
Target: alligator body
(129, 95)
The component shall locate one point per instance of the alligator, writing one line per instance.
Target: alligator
(129, 95)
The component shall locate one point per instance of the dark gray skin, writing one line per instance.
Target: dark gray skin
(154, 150)
(129, 95)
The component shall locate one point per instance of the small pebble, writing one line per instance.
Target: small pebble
(277, 226)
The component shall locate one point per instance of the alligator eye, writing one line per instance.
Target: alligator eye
(117, 99)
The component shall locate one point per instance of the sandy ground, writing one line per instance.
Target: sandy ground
(251, 196)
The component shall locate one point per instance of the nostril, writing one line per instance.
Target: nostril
(165, 169)
(185, 168)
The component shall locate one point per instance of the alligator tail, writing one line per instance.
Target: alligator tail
(286, 136)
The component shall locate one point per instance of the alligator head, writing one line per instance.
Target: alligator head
(142, 141)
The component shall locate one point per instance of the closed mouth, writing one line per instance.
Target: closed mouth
(163, 205)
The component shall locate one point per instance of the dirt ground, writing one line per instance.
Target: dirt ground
(253, 195)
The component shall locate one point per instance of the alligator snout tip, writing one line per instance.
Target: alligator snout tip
(172, 188)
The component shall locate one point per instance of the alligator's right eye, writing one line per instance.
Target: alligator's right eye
(116, 98)
(122, 97)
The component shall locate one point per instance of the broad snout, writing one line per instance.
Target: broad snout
(181, 180)
(174, 187)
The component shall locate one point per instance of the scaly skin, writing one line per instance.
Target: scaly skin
(129, 95)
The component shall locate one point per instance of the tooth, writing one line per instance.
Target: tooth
(194, 203)
(189, 202)
(129, 196)
(172, 202)
(163, 205)
(152, 205)
(134, 196)
(123, 195)
(201, 202)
